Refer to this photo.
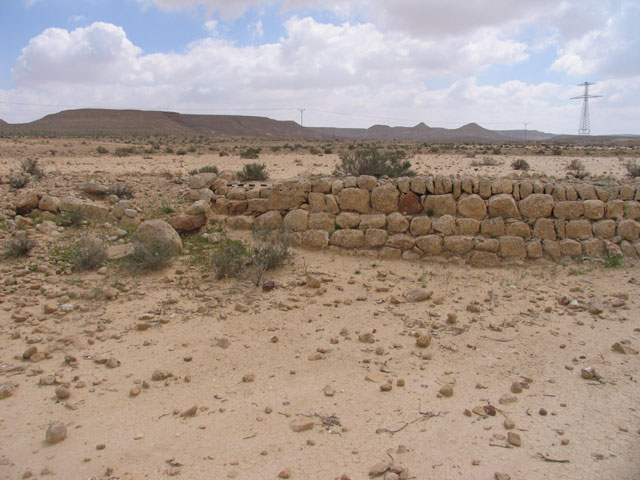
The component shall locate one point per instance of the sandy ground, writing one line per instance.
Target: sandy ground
(255, 364)
(71, 155)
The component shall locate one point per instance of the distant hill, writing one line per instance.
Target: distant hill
(471, 132)
(105, 122)
(87, 122)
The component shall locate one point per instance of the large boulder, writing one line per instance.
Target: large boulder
(296, 220)
(568, 210)
(287, 196)
(537, 205)
(88, 209)
(187, 223)
(384, 198)
(26, 202)
(315, 239)
(49, 203)
(472, 206)
(201, 180)
(356, 199)
(269, 221)
(348, 238)
(503, 205)
(410, 204)
(439, 205)
(159, 233)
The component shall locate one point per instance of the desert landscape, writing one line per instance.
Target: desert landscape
(341, 363)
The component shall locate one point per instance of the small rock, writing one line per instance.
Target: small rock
(63, 393)
(386, 387)
(190, 412)
(516, 387)
(379, 469)
(502, 476)
(452, 318)
(6, 390)
(112, 363)
(222, 343)
(514, 439)
(29, 352)
(285, 473)
(249, 377)
(301, 424)
(367, 338)
(159, 375)
(135, 391)
(418, 295)
(56, 432)
(543, 411)
(423, 341)
(506, 399)
(509, 424)
(588, 373)
(624, 349)
(329, 391)
(446, 390)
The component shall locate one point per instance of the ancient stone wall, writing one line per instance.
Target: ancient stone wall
(483, 222)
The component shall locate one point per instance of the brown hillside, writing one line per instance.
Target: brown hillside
(85, 122)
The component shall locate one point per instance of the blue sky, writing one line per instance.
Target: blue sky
(349, 63)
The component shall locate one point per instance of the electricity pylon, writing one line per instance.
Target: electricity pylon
(585, 124)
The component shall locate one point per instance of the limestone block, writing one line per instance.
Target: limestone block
(472, 206)
(503, 205)
(536, 205)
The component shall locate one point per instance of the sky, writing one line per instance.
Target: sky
(347, 63)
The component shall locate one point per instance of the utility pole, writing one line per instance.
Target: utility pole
(301, 116)
(585, 125)
(525, 131)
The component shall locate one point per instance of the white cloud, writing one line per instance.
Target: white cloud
(256, 30)
(373, 70)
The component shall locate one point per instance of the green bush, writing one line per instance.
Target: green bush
(633, 169)
(613, 261)
(125, 151)
(229, 259)
(30, 166)
(19, 245)
(101, 149)
(205, 169)
(72, 218)
(372, 161)
(520, 164)
(270, 251)
(18, 180)
(150, 256)
(253, 172)
(250, 153)
(89, 253)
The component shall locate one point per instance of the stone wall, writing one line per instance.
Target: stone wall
(481, 221)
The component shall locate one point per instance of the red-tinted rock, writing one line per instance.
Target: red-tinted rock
(410, 204)
(187, 223)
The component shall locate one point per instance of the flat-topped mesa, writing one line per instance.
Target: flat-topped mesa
(477, 220)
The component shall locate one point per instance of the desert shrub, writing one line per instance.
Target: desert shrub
(633, 169)
(167, 209)
(250, 153)
(496, 150)
(168, 150)
(89, 253)
(315, 151)
(19, 245)
(205, 169)
(253, 172)
(150, 256)
(557, 151)
(275, 148)
(72, 218)
(223, 153)
(520, 164)
(613, 261)
(576, 164)
(270, 252)
(372, 161)
(121, 190)
(230, 258)
(327, 151)
(30, 166)
(18, 180)
(125, 151)
(192, 149)
(101, 149)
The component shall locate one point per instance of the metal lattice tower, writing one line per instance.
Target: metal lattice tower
(585, 124)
